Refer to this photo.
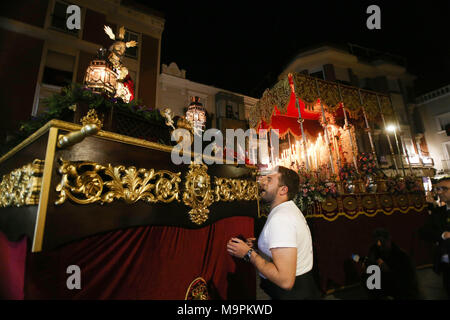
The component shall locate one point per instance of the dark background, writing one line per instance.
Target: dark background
(243, 46)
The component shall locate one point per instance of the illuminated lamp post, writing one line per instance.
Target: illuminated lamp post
(100, 76)
(196, 114)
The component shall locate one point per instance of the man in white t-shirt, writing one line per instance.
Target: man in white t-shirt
(285, 257)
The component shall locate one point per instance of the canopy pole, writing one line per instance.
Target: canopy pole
(368, 130)
(325, 129)
(347, 128)
(300, 121)
(387, 135)
(405, 150)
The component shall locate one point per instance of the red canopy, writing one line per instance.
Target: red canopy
(289, 120)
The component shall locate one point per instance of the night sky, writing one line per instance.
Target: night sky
(243, 46)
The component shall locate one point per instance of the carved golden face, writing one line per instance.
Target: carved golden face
(119, 48)
(200, 186)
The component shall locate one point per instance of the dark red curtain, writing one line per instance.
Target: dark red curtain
(12, 268)
(336, 241)
(149, 262)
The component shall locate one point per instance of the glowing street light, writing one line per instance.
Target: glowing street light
(393, 128)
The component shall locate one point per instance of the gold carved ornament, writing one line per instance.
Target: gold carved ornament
(82, 182)
(22, 186)
(90, 182)
(198, 193)
(197, 290)
(234, 189)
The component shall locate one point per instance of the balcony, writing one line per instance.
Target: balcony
(446, 165)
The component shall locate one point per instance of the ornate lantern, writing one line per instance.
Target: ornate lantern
(196, 114)
(100, 75)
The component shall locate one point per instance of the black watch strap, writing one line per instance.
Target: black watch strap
(248, 255)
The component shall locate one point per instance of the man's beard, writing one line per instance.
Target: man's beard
(266, 196)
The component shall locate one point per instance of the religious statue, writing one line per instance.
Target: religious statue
(125, 86)
(117, 49)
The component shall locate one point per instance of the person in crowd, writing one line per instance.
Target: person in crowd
(437, 229)
(284, 254)
(398, 278)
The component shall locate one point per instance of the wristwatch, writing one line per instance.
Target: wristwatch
(248, 255)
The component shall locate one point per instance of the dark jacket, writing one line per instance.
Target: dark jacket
(436, 224)
(398, 274)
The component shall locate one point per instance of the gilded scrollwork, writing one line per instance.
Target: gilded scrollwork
(86, 182)
(90, 182)
(235, 189)
(22, 186)
(198, 193)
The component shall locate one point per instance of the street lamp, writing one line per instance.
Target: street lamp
(393, 128)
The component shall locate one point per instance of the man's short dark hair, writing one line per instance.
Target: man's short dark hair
(290, 179)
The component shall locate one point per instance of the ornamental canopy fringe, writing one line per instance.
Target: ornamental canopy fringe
(305, 89)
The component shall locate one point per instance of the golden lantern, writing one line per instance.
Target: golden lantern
(196, 114)
(100, 76)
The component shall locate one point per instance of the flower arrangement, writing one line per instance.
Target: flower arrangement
(61, 106)
(348, 172)
(367, 164)
(315, 186)
(400, 185)
(413, 184)
(396, 184)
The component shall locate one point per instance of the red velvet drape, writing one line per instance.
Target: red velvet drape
(149, 262)
(12, 268)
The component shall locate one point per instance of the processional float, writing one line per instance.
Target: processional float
(105, 196)
(344, 192)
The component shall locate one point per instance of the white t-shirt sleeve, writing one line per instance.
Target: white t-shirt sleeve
(281, 233)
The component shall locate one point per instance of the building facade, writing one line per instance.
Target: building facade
(48, 56)
(225, 109)
(432, 118)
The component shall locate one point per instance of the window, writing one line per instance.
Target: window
(442, 121)
(229, 112)
(58, 70)
(318, 74)
(133, 51)
(59, 18)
